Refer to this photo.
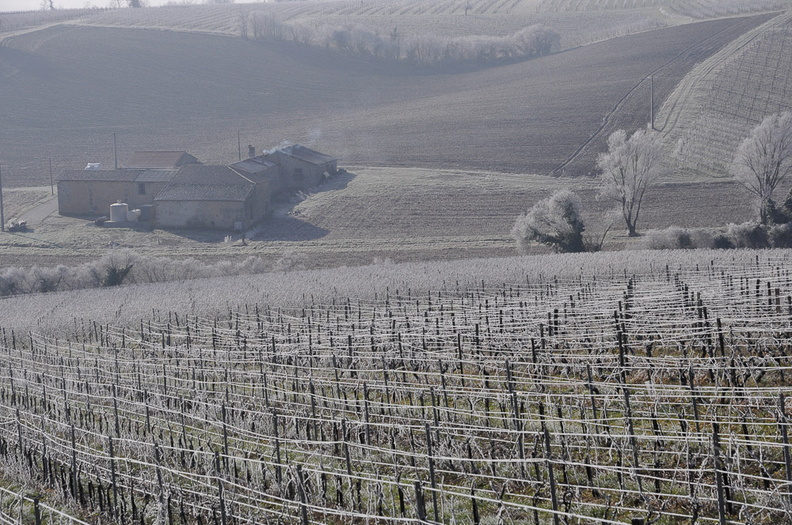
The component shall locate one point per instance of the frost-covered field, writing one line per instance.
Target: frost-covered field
(592, 388)
(715, 107)
(127, 305)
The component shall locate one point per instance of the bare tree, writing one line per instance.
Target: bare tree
(48, 5)
(764, 160)
(243, 18)
(555, 221)
(630, 167)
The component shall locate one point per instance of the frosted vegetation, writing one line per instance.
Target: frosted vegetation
(633, 383)
(421, 49)
(210, 296)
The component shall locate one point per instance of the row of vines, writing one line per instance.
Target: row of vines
(659, 397)
(751, 84)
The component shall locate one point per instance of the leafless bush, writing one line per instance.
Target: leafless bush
(676, 238)
(116, 268)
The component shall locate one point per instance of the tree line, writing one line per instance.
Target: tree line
(634, 163)
(421, 49)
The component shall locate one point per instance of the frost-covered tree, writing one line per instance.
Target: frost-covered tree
(764, 160)
(555, 221)
(630, 167)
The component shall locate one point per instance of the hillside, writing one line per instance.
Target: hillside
(67, 88)
(724, 97)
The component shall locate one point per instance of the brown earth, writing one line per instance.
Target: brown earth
(66, 89)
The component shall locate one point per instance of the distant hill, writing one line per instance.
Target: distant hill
(67, 87)
(715, 107)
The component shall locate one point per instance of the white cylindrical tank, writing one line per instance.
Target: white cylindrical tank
(118, 212)
(133, 215)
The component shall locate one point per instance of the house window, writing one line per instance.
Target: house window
(141, 188)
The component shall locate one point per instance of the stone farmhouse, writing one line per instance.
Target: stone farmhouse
(174, 190)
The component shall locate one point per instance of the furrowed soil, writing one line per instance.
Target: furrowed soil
(67, 89)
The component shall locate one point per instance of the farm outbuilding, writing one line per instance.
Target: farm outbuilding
(92, 191)
(302, 168)
(201, 196)
(187, 194)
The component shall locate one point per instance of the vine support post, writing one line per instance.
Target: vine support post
(784, 424)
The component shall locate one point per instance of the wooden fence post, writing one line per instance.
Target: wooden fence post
(420, 504)
(432, 479)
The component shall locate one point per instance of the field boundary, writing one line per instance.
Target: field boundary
(607, 118)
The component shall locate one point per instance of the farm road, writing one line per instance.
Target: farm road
(41, 211)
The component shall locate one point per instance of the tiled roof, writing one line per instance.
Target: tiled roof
(253, 165)
(159, 159)
(156, 175)
(199, 182)
(98, 175)
(307, 154)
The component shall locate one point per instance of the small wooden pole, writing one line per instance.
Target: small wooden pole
(432, 479)
(783, 423)
(36, 511)
(551, 476)
(113, 474)
(718, 474)
(420, 504)
(73, 463)
(2, 213)
(651, 102)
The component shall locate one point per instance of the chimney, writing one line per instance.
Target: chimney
(251, 151)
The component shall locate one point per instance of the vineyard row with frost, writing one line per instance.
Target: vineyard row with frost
(659, 395)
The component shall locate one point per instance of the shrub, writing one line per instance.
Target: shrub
(116, 268)
(780, 235)
(748, 235)
(722, 242)
(672, 238)
(676, 238)
(554, 221)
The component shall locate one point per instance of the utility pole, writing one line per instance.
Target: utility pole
(651, 101)
(2, 215)
(115, 152)
(52, 186)
(239, 144)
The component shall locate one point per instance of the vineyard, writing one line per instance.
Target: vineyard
(653, 393)
(729, 94)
